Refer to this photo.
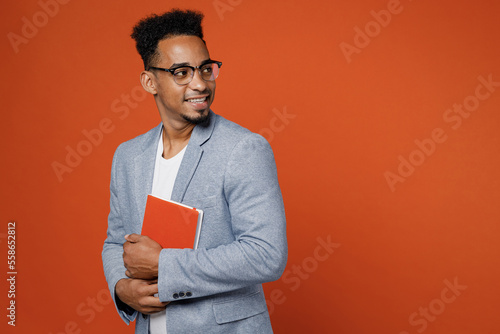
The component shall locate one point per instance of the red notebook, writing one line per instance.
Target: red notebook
(172, 224)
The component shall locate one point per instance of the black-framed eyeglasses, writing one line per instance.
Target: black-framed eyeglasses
(183, 75)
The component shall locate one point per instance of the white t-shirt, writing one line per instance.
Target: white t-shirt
(163, 184)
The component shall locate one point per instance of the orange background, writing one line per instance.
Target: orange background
(348, 124)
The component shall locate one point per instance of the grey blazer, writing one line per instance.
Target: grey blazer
(229, 173)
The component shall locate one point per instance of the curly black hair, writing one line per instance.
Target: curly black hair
(152, 29)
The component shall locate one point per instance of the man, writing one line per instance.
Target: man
(202, 160)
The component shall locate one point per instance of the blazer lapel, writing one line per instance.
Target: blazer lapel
(192, 156)
(144, 165)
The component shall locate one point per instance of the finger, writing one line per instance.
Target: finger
(125, 258)
(155, 302)
(152, 289)
(132, 237)
(128, 274)
(126, 245)
(152, 310)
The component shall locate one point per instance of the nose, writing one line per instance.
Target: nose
(198, 83)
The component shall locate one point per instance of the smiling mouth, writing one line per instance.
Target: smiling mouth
(199, 100)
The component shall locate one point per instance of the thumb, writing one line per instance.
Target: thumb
(132, 237)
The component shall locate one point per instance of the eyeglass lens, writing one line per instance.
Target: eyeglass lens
(184, 75)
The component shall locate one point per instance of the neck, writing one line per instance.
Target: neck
(174, 140)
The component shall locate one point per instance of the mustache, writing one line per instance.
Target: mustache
(205, 92)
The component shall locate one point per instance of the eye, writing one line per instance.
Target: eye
(181, 72)
(207, 69)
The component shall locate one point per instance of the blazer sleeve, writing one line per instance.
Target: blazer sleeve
(259, 251)
(112, 253)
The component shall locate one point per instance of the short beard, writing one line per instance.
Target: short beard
(203, 118)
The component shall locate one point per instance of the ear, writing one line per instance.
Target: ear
(148, 82)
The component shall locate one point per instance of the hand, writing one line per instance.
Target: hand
(139, 295)
(140, 256)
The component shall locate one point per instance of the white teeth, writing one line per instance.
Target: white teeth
(197, 100)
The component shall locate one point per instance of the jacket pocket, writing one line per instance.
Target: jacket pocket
(239, 308)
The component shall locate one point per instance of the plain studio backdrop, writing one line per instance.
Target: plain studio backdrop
(384, 118)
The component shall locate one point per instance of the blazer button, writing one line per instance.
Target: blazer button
(144, 316)
(188, 294)
(175, 295)
(182, 294)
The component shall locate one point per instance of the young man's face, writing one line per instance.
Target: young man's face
(185, 103)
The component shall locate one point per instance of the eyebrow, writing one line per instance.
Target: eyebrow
(176, 65)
